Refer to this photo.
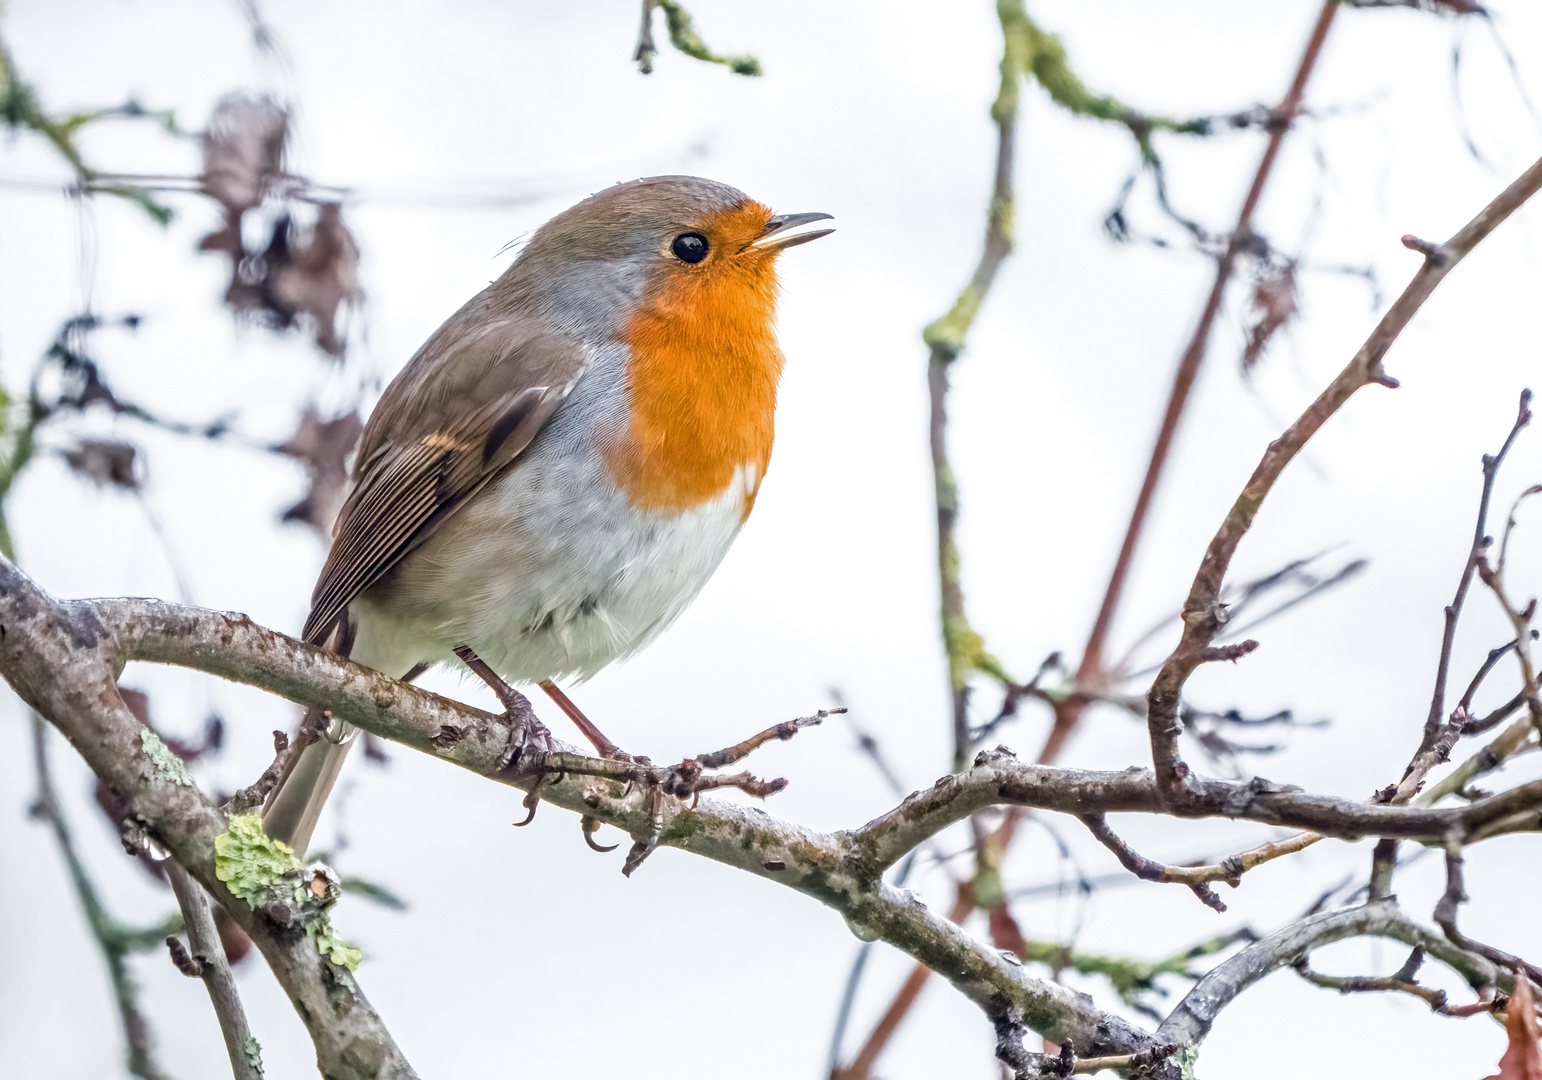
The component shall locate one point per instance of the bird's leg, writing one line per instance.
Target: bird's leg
(602, 746)
(524, 728)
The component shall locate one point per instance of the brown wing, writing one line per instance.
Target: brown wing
(470, 401)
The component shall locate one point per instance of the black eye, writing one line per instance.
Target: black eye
(690, 247)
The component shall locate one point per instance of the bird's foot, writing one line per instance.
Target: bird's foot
(602, 745)
(686, 780)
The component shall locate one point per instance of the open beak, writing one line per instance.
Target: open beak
(785, 231)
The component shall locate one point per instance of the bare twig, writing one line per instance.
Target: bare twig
(1402, 981)
(212, 966)
(1091, 673)
(1202, 615)
(1198, 878)
(114, 940)
(244, 800)
(1453, 611)
(645, 52)
(1456, 895)
(1494, 656)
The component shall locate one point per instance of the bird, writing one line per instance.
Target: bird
(562, 465)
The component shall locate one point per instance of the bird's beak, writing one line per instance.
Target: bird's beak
(781, 232)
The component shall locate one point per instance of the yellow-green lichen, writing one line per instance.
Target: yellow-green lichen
(253, 1052)
(167, 764)
(949, 331)
(251, 863)
(262, 870)
(683, 36)
(333, 947)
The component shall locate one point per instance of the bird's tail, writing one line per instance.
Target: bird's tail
(295, 804)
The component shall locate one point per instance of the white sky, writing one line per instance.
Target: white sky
(522, 951)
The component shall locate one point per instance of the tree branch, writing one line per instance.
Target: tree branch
(214, 969)
(1190, 1022)
(1091, 675)
(115, 940)
(1203, 615)
(1453, 612)
(1198, 878)
(63, 660)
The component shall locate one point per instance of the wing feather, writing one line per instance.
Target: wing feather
(459, 414)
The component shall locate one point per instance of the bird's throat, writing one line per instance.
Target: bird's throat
(702, 375)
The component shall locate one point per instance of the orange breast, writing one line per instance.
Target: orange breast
(703, 374)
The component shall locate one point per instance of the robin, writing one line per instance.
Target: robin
(562, 465)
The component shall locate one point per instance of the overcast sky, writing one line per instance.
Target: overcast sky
(460, 127)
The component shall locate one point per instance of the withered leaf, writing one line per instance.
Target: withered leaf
(243, 150)
(322, 273)
(1273, 304)
(323, 446)
(1522, 1059)
(105, 462)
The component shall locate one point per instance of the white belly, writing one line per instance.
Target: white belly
(549, 572)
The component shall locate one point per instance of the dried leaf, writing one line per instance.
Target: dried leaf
(323, 446)
(1522, 1059)
(302, 274)
(243, 151)
(1274, 304)
(106, 463)
(322, 273)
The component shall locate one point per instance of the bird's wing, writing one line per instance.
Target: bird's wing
(463, 410)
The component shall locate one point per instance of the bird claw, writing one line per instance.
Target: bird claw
(525, 733)
(643, 848)
(590, 826)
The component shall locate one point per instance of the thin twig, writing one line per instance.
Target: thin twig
(1402, 981)
(1090, 672)
(1456, 895)
(213, 967)
(114, 940)
(1480, 542)
(1202, 615)
(1198, 878)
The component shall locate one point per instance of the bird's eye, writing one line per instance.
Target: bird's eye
(690, 247)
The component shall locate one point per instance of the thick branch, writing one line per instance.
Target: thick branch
(63, 658)
(997, 779)
(1190, 1022)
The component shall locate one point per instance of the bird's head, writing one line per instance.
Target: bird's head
(676, 246)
